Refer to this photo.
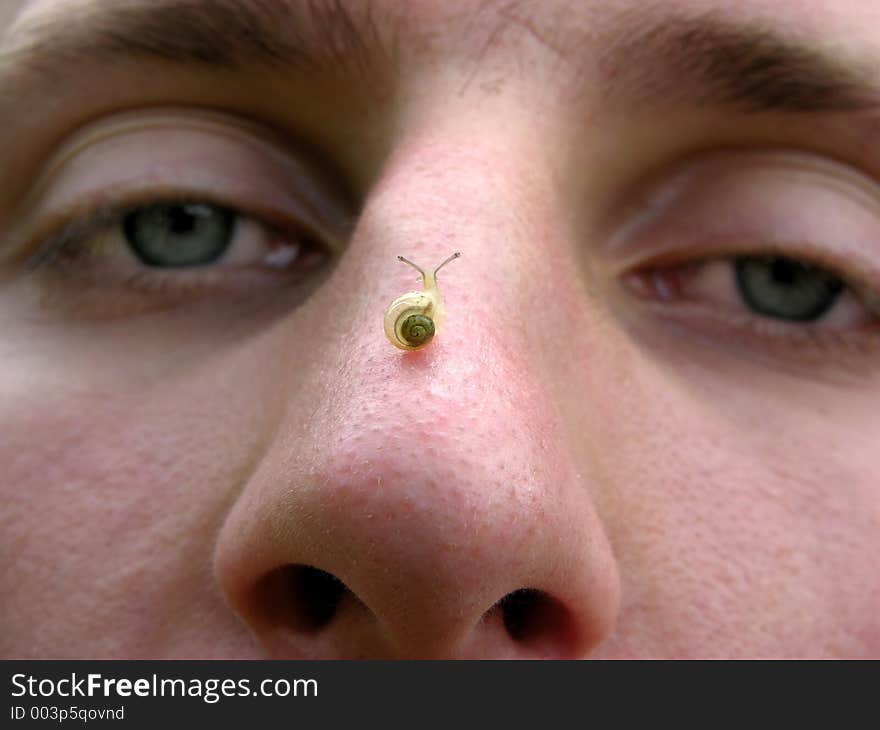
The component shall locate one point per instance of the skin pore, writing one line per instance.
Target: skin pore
(603, 453)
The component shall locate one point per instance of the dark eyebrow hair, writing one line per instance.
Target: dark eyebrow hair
(222, 34)
(653, 56)
(711, 59)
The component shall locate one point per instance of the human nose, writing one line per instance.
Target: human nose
(428, 506)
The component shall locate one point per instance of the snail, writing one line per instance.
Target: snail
(412, 320)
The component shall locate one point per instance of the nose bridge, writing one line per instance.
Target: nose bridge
(449, 190)
(432, 483)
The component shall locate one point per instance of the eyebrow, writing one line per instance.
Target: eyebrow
(321, 35)
(703, 60)
(711, 59)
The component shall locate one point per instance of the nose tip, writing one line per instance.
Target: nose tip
(446, 527)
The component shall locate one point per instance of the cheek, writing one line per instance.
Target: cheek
(745, 524)
(113, 488)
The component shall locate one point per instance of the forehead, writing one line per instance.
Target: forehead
(447, 30)
(477, 12)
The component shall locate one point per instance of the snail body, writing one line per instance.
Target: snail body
(412, 320)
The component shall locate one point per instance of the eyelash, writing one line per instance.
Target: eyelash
(63, 249)
(752, 328)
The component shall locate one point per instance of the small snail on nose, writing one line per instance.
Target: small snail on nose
(412, 320)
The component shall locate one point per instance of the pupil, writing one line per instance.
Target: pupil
(784, 271)
(786, 289)
(181, 221)
(417, 328)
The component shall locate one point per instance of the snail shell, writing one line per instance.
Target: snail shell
(412, 320)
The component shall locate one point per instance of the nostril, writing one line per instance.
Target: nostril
(303, 597)
(536, 620)
(523, 613)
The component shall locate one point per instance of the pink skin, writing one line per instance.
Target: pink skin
(671, 493)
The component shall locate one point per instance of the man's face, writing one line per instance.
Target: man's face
(647, 427)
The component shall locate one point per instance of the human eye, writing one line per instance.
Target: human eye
(126, 228)
(787, 289)
(772, 253)
(163, 253)
(777, 288)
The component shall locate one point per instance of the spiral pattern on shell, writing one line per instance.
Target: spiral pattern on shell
(416, 311)
(416, 329)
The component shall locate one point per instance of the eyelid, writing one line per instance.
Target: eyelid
(93, 221)
(160, 118)
(91, 274)
(186, 153)
(755, 203)
(705, 174)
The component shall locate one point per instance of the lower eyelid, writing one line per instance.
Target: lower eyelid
(833, 355)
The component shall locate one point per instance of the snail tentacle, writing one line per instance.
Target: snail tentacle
(454, 256)
(415, 266)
